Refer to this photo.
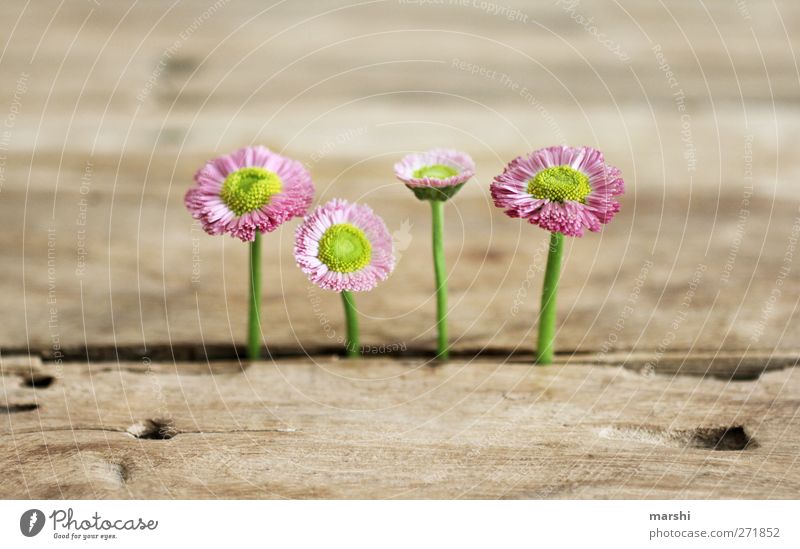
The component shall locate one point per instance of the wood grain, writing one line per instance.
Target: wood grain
(159, 287)
(121, 103)
(396, 429)
(678, 325)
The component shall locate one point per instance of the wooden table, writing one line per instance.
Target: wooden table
(678, 324)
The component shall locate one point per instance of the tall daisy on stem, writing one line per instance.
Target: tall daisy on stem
(244, 194)
(345, 248)
(436, 176)
(564, 190)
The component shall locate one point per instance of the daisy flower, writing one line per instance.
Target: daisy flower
(436, 176)
(244, 194)
(249, 191)
(564, 190)
(345, 248)
(561, 189)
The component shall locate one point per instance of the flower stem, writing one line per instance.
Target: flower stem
(547, 314)
(254, 317)
(351, 315)
(437, 209)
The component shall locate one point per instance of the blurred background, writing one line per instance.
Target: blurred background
(109, 108)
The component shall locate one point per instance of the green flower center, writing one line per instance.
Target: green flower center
(248, 189)
(344, 248)
(435, 171)
(560, 183)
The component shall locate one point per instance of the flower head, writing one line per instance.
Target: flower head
(561, 189)
(435, 175)
(252, 189)
(343, 246)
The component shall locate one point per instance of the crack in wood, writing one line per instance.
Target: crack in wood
(18, 432)
(38, 381)
(719, 438)
(153, 429)
(18, 408)
(222, 352)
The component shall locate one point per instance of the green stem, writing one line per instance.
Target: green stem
(437, 209)
(351, 315)
(254, 317)
(547, 314)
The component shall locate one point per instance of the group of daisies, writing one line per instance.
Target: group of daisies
(346, 247)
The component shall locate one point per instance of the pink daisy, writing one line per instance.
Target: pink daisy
(561, 189)
(252, 189)
(435, 175)
(344, 247)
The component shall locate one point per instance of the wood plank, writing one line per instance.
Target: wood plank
(394, 429)
(84, 147)
(684, 282)
(678, 324)
(713, 46)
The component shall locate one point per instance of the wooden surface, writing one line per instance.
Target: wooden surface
(395, 429)
(678, 320)
(96, 171)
